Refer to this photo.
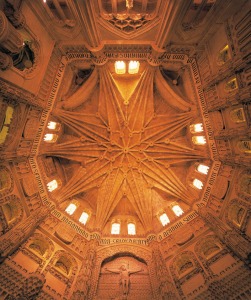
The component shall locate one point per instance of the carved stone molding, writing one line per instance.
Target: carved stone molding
(111, 251)
(10, 91)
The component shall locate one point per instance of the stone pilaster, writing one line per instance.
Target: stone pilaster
(83, 284)
(165, 288)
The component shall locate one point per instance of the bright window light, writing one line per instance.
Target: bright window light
(133, 67)
(131, 228)
(198, 184)
(202, 169)
(83, 218)
(8, 115)
(115, 228)
(120, 67)
(199, 140)
(70, 209)
(50, 137)
(177, 210)
(52, 125)
(164, 219)
(196, 128)
(52, 185)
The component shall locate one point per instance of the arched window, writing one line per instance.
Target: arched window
(39, 246)
(184, 264)
(203, 169)
(115, 228)
(8, 115)
(6, 124)
(244, 146)
(236, 214)
(52, 185)
(194, 128)
(53, 126)
(120, 67)
(197, 183)
(177, 210)
(3, 134)
(50, 137)
(210, 248)
(199, 140)
(133, 67)
(164, 219)
(237, 115)
(84, 217)
(70, 209)
(223, 55)
(10, 211)
(131, 228)
(63, 264)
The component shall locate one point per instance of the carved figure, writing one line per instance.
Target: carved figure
(124, 277)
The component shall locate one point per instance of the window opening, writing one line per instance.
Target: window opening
(52, 185)
(133, 67)
(177, 210)
(199, 140)
(115, 228)
(83, 218)
(194, 128)
(164, 219)
(120, 67)
(70, 209)
(198, 184)
(131, 228)
(202, 169)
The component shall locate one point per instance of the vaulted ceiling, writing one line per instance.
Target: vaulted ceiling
(124, 148)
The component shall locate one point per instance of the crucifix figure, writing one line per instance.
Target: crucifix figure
(124, 277)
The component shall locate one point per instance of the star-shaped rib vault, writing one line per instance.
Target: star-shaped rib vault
(126, 150)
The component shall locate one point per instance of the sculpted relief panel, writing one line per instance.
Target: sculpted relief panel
(124, 278)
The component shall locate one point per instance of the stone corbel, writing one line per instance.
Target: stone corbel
(10, 39)
(12, 12)
(154, 59)
(98, 56)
